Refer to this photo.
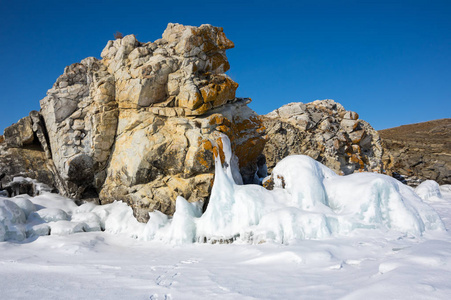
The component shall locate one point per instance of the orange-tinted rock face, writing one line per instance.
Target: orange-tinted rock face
(157, 159)
(248, 149)
(247, 137)
(219, 91)
(188, 64)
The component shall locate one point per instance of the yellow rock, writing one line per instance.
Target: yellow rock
(190, 99)
(219, 92)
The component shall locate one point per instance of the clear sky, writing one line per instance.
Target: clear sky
(390, 61)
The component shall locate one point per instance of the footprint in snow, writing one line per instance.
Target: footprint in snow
(167, 278)
(165, 297)
(189, 261)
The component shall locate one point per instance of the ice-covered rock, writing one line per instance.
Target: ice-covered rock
(25, 204)
(308, 201)
(34, 230)
(12, 221)
(25, 186)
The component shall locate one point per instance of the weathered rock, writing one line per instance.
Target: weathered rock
(80, 114)
(186, 67)
(22, 153)
(20, 133)
(328, 133)
(157, 158)
(168, 95)
(421, 151)
(30, 163)
(143, 124)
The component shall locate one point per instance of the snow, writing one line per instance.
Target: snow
(102, 265)
(315, 236)
(428, 190)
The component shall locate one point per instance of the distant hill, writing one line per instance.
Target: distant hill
(421, 149)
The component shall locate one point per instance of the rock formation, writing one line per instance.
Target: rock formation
(142, 124)
(327, 132)
(21, 153)
(421, 150)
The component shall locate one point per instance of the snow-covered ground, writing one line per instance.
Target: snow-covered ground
(315, 236)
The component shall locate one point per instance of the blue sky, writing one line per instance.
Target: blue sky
(390, 61)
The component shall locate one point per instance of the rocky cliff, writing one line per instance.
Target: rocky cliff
(421, 150)
(327, 132)
(141, 124)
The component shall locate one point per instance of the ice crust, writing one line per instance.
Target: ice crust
(309, 201)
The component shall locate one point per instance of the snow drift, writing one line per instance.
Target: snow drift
(309, 201)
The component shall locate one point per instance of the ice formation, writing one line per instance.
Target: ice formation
(309, 201)
(428, 190)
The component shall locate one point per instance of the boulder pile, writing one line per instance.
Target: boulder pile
(327, 132)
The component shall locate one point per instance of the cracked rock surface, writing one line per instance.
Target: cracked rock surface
(140, 125)
(325, 131)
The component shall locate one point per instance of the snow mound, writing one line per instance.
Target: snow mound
(64, 227)
(23, 216)
(90, 220)
(51, 214)
(445, 191)
(303, 178)
(428, 190)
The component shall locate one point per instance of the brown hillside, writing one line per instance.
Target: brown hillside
(421, 149)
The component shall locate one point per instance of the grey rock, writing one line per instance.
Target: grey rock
(20, 133)
(319, 129)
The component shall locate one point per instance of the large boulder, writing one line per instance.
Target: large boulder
(327, 132)
(143, 124)
(174, 101)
